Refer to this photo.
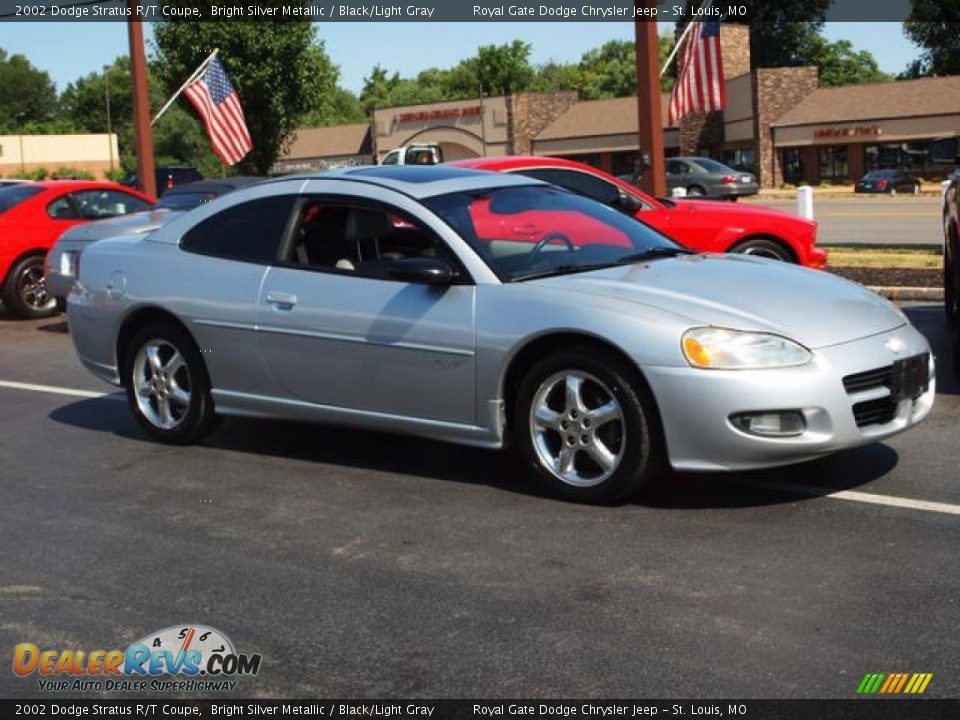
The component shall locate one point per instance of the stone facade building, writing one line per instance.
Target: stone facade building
(777, 123)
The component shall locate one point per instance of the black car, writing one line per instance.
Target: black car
(887, 181)
(167, 176)
(190, 195)
(947, 151)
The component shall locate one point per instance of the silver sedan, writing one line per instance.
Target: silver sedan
(489, 310)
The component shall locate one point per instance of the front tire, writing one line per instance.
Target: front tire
(584, 425)
(25, 290)
(763, 247)
(168, 389)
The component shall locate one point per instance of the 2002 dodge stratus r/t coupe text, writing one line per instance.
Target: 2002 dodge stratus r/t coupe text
(410, 299)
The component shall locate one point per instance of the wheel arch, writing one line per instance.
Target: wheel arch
(770, 237)
(32, 252)
(538, 347)
(137, 319)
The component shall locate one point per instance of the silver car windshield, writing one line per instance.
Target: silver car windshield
(536, 231)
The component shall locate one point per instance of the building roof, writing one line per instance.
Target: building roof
(616, 116)
(876, 101)
(330, 141)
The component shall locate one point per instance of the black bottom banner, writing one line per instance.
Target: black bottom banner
(854, 709)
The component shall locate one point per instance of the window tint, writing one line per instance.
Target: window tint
(357, 240)
(250, 232)
(391, 158)
(15, 194)
(62, 209)
(579, 182)
(99, 204)
(712, 166)
(675, 167)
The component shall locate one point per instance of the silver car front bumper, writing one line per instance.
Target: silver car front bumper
(696, 405)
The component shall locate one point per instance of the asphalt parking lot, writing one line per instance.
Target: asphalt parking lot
(365, 565)
(872, 220)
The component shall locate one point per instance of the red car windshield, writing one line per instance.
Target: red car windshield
(13, 195)
(526, 232)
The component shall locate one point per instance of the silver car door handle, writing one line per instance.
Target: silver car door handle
(281, 299)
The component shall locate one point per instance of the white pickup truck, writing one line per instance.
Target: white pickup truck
(418, 154)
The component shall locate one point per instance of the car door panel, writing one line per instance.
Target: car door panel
(343, 340)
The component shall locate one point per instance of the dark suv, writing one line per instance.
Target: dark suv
(948, 151)
(167, 176)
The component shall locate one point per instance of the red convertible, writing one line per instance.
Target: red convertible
(32, 217)
(703, 225)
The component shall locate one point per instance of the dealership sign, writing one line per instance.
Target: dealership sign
(442, 114)
(843, 132)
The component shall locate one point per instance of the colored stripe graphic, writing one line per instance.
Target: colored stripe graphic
(894, 683)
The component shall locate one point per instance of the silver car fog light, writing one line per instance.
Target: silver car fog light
(781, 423)
(68, 263)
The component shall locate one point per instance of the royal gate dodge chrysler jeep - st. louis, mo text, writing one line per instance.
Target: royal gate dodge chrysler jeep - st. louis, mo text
(409, 299)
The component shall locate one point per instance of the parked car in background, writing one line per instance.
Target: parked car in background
(890, 182)
(947, 152)
(599, 357)
(167, 176)
(703, 177)
(33, 215)
(702, 225)
(60, 268)
(416, 154)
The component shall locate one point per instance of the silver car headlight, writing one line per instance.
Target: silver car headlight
(68, 263)
(721, 349)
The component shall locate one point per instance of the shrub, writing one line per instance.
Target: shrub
(71, 173)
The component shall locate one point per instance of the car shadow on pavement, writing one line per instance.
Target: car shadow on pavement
(360, 451)
(57, 326)
(930, 320)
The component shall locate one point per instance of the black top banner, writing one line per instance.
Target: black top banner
(424, 11)
(859, 709)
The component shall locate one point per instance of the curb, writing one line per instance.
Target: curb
(900, 293)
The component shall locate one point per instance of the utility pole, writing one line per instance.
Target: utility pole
(654, 178)
(141, 102)
(106, 91)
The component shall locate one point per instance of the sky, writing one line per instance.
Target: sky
(70, 50)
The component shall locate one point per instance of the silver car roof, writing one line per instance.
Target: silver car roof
(419, 181)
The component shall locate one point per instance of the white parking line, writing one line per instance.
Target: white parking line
(796, 488)
(52, 389)
(853, 495)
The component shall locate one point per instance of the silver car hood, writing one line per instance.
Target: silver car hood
(813, 307)
(137, 223)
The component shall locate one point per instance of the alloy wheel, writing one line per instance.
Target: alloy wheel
(161, 384)
(32, 287)
(577, 427)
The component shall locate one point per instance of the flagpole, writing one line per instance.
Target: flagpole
(683, 36)
(189, 80)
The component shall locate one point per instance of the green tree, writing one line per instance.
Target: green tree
(279, 69)
(502, 69)
(780, 32)
(934, 26)
(609, 70)
(27, 95)
(839, 63)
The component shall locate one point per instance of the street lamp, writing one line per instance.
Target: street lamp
(106, 91)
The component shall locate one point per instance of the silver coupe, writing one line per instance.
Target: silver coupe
(490, 309)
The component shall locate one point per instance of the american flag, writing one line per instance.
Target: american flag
(699, 86)
(218, 103)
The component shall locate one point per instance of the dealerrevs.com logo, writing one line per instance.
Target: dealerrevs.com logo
(198, 658)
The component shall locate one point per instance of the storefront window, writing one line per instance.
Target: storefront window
(624, 163)
(912, 157)
(591, 160)
(792, 164)
(739, 159)
(833, 163)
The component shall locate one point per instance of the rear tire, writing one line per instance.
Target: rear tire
(763, 247)
(168, 389)
(25, 290)
(584, 425)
